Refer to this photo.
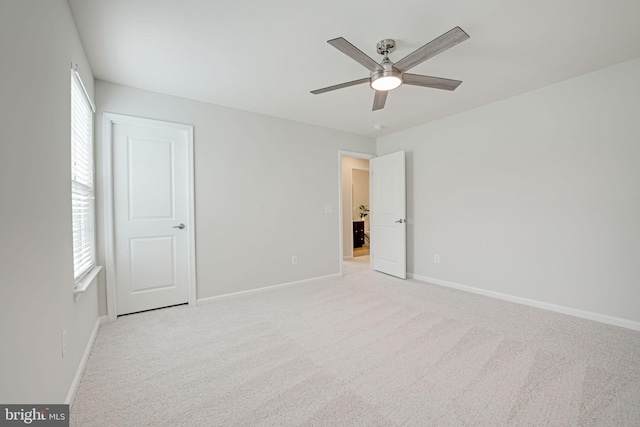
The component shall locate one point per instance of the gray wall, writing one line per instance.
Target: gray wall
(38, 43)
(536, 196)
(261, 185)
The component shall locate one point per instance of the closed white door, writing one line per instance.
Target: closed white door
(151, 167)
(388, 214)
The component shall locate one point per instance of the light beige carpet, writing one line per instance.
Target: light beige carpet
(366, 349)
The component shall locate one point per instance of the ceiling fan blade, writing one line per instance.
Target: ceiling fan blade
(379, 100)
(428, 81)
(431, 49)
(354, 53)
(340, 86)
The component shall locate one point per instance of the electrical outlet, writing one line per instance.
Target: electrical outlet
(65, 343)
(294, 260)
(436, 258)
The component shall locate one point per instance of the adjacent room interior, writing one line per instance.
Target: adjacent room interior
(461, 252)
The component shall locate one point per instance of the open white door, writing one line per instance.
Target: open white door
(388, 214)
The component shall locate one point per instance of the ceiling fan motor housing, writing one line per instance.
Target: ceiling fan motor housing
(389, 74)
(389, 78)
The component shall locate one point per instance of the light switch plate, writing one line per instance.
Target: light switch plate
(65, 343)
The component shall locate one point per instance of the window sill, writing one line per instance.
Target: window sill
(86, 281)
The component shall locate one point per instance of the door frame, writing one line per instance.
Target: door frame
(108, 121)
(341, 155)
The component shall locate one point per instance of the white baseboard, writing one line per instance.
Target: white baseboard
(629, 324)
(209, 300)
(83, 362)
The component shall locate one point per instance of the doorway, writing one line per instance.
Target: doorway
(355, 235)
(387, 195)
(360, 210)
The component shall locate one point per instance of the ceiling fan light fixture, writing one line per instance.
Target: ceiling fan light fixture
(388, 75)
(386, 80)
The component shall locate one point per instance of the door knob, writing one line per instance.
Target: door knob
(180, 226)
(400, 221)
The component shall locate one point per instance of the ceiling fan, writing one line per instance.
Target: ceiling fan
(388, 75)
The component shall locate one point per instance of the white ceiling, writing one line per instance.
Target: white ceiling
(265, 56)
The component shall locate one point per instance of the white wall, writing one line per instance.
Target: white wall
(536, 196)
(261, 186)
(348, 164)
(38, 43)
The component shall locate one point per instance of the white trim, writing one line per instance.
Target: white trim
(191, 256)
(76, 72)
(108, 120)
(88, 279)
(73, 389)
(616, 321)
(209, 300)
(356, 154)
(107, 197)
(341, 155)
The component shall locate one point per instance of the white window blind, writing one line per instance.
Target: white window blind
(82, 194)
